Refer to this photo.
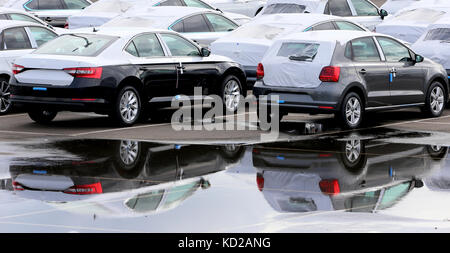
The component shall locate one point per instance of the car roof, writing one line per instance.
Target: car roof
(172, 12)
(310, 4)
(443, 22)
(329, 36)
(14, 23)
(123, 32)
(306, 19)
(115, 5)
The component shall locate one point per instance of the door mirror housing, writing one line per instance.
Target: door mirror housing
(383, 13)
(205, 52)
(418, 58)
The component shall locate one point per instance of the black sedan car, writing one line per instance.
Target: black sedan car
(349, 74)
(119, 73)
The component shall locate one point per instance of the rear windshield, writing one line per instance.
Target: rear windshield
(420, 15)
(438, 34)
(261, 31)
(298, 51)
(77, 45)
(284, 8)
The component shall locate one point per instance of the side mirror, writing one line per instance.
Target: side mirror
(419, 58)
(205, 52)
(219, 10)
(383, 13)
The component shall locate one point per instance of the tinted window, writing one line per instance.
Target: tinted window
(364, 8)
(339, 8)
(364, 49)
(302, 51)
(195, 24)
(131, 49)
(220, 24)
(33, 5)
(75, 4)
(179, 46)
(21, 17)
(324, 26)
(195, 3)
(438, 34)
(393, 50)
(343, 25)
(148, 46)
(16, 38)
(76, 44)
(49, 5)
(41, 35)
(3, 17)
(284, 8)
(171, 3)
(178, 27)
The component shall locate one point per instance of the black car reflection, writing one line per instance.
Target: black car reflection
(142, 177)
(353, 175)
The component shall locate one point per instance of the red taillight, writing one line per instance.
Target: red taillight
(260, 71)
(16, 69)
(66, 25)
(330, 74)
(85, 72)
(95, 188)
(260, 181)
(330, 187)
(17, 186)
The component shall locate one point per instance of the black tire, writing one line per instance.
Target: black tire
(228, 80)
(437, 152)
(341, 114)
(353, 155)
(42, 116)
(5, 103)
(430, 110)
(133, 108)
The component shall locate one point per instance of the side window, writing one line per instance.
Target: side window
(219, 23)
(339, 8)
(49, 5)
(364, 8)
(344, 25)
(327, 9)
(170, 3)
(3, 17)
(16, 38)
(179, 46)
(196, 3)
(393, 50)
(146, 45)
(323, 26)
(365, 50)
(195, 24)
(31, 5)
(178, 27)
(41, 35)
(21, 17)
(76, 4)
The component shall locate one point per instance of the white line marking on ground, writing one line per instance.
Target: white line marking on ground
(32, 133)
(12, 115)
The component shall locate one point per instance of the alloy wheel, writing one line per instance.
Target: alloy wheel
(353, 111)
(129, 106)
(129, 151)
(5, 102)
(436, 100)
(353, 150)
(232, 95)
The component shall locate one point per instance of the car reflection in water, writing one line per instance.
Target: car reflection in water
(354, 175)
(119, 178)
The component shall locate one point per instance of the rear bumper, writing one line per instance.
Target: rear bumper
(250, 72)
(323, 99)
(62, 104)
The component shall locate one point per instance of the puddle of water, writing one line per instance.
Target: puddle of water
(343, 183)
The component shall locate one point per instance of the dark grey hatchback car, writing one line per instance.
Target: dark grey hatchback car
(349, 73)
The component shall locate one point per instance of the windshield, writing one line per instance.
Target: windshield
(438, 34)
(420, 15)
(284, 8)
(298, 51)
(261, 31)
(76, 45)
(109, 6)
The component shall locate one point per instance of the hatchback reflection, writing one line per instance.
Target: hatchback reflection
(116, 177)
(353, 175)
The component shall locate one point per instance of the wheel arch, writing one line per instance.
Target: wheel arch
(240, 74)
(134, 82)
(358, 89)
(441, 80)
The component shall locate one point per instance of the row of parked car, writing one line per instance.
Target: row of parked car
(135, 57)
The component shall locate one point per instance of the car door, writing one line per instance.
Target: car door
(15, 42)
(193, 71)
(365, 13)
(158, 70)
(194, 27)
(407, 78)
(371, 68)
(41, 9)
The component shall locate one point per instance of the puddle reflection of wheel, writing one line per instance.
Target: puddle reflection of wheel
(437, 152)
(128, 163)
(353, 155)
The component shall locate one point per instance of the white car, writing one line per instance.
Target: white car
(248, 44)
(103, 11)
(17, 38)
(14, 14)
(245, 7)
(198, 24)
(54, 12)
(361, 11)
(409, 25)
(393, 6)
(435, 43)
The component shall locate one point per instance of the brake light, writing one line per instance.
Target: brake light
(16, 69)
(260, 181)
(95, 188)
(95, 73)
(330, 74)
(66, 25)
(260, 71)
(17, 186)
(330, 187)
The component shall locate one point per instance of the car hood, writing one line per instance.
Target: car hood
(435, 50)
(403, 31)
(245, 52)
